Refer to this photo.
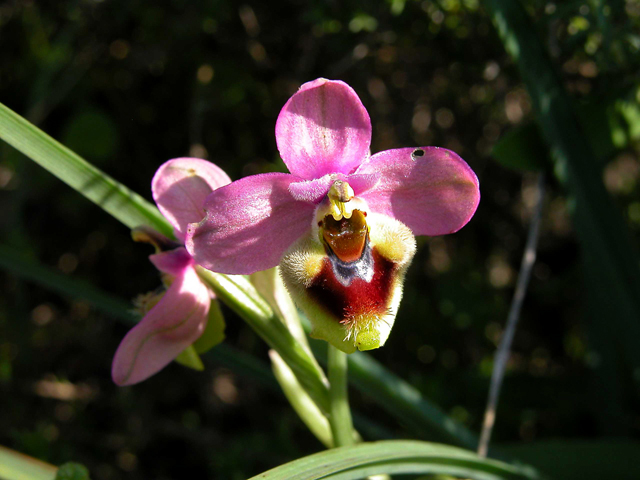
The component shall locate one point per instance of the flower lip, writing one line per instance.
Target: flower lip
(361, 268)
(353, 290)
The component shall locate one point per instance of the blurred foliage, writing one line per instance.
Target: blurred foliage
(132, 84)
(72, 471)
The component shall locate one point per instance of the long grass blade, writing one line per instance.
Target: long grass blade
(396, 457)
(124, 204)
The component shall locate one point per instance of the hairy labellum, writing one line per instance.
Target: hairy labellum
(347, 276)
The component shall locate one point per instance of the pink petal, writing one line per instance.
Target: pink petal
(180, 187)
(430, 189)
(313, 191)
(166, 330)
(173, 262)
(249, 224)
(323, 128)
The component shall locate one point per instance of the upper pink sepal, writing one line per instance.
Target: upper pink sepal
(430, 189)
(166, 330)
(249, 224)
(180, 187)
(323, 128)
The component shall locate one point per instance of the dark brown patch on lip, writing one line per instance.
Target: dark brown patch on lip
(346, 237)
(359, 297)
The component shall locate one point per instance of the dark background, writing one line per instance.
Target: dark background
(129, 85)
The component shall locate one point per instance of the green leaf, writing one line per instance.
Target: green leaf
(17, 466)
(609, 255)
(396, 457)
(72, 471)
(113, 197)
(214, 331)
(522, 148)
(609, 125)
(189, 358)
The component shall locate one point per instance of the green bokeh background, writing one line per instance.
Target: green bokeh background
(129, 85)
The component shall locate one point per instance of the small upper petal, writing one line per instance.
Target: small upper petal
(180, 187)
(430, 189)
(323, 128)
(166, 330)
(174, 262)
(249, 224)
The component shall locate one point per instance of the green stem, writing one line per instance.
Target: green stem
(340, 415)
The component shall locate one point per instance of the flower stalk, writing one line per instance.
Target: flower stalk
(340, 414)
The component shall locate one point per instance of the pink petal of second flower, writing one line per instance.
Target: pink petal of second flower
(430, 189)
(166, 330)
(174, 262)
(249, 224)
(323, 128)
(180, 187)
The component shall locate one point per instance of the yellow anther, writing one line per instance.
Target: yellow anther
(339, 194)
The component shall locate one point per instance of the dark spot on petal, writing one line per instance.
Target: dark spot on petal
(418, 152)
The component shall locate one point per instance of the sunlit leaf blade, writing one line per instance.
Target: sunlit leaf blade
(396, 457)
(125, 205)
(17, 466)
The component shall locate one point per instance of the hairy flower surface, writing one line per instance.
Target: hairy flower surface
(342, 223)
(176, 318)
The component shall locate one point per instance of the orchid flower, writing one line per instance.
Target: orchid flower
(341, 225)
(175, 319)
